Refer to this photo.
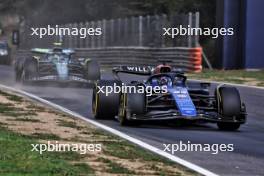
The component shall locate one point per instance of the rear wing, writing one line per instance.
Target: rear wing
(40, 50)
(137, 70)
(50, 51)
(140, 70)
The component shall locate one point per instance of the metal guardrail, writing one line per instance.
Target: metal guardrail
(140, 31)
(188, 59)
(130, 41)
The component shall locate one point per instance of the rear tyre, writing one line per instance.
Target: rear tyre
(229, 107)
(105, 106)
(19, 69)
(30, 69)
(92, 71)
(133, 104)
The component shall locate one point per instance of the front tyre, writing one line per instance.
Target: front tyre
(19, 69)
(105, 104)
(132, 104)
(229, 107)
(30, 69)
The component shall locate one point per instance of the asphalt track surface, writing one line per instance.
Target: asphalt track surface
(246, 159)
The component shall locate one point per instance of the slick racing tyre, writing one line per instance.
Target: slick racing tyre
(132, 103)
(19, 69)
(105, 105)
(30, 69)
(229, 107)
(92, 70)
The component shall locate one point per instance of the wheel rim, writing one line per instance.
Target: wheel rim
(122, 110)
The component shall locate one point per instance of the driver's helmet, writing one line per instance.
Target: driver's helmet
(165, 69)
(162, 69)
(163, 81)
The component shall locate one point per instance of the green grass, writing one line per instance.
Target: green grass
(115, 167)
(83, 168)
(98, 133)
(35, 108)
(68, 156)
(232, 76)
(9, 109)
(16, 158)
(12, 97)
(125, 150)
(26, 119)
(3, 124)
(69, 124)
(18, 114)
(261, 84)
(45, 136)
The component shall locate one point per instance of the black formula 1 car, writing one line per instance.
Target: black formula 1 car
(180, 101)
(58, 66)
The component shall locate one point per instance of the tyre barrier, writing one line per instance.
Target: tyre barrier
(196, 59)
(187, 59)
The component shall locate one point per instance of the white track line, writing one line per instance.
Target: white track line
(116, 132)
(232, 84)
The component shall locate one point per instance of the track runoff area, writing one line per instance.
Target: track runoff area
(205, 137)
(138, 142)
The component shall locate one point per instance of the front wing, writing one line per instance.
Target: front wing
(56, 80)
(172, 114)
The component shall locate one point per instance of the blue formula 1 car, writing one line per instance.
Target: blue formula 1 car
(56, 66)
(176, 101)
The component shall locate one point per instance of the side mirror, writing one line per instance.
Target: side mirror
(15, 37)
